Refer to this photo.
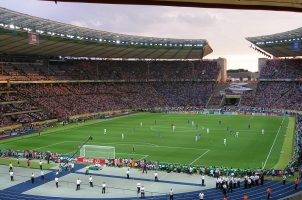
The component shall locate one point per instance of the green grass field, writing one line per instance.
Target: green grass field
(157, 142)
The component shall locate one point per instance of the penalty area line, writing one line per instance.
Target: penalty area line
(270, 151)
(199, 157)
(53, 144)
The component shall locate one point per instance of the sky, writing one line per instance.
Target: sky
(224, 29)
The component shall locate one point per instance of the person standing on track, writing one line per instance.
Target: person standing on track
(284, 179)
(296, 182)
(90, 181)
(201, 196)
(78, 184)
(138, 187)
(57, 182)
(11, 174)
(202, 180)
(32, 178)
(145, 168)
(155, 177)
(128, 173)
(269, 192)
(142, 192)
(171, 194)
(103, 188)
(40, 163)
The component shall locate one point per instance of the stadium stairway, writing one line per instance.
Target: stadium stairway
(279, 191)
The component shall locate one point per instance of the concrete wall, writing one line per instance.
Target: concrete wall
(222, 62)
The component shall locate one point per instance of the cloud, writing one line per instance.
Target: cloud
(224, 29)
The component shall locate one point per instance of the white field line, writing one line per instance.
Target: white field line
(163, 128)
(199, 157)
(126, 143)
(144, 157)
(54, 144)
(270, 151)
(84, 124)
(150, 144)
(182, 148)
(251, 117)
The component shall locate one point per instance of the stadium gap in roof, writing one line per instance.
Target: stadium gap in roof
(285, 44)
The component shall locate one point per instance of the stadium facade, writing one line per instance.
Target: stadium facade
(54, 72)
(40, 55)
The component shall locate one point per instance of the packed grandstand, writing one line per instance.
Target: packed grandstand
(71, 87)
(55, 80)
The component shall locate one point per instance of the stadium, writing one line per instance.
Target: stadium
(93, 114)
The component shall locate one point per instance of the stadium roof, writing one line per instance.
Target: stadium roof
(285, 5)
(286, 44)
(60, 39)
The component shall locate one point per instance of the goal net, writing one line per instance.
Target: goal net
(94, 151)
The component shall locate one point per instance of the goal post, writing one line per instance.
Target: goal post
(95, 151)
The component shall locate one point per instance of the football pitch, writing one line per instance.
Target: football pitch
(152, 137)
